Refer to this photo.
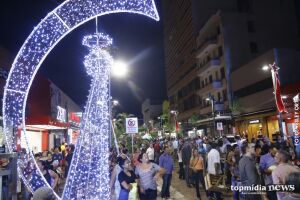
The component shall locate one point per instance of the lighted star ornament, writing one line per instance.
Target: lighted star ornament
(45, 36)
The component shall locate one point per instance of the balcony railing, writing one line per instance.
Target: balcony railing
(212, 64)
(206, 46)
(217, 84)
(219, 106)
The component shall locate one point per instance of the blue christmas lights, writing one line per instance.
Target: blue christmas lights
(54, 27)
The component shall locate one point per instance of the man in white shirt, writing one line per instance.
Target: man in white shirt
(214, 166)
(150, 152)
(213, 161)
(175, 147)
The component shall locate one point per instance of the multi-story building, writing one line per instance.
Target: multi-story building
(180, 42)
(255, 109)
(151, 110)
(227, 36)
(51, 116)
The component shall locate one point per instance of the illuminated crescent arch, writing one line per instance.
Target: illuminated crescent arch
(45, 36)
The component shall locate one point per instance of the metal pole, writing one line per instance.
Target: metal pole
(132, 143)
(213, 115)
(274, 88)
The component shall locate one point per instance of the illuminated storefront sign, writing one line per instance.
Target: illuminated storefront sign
(296, 121)
(254, 121)
(61, 114)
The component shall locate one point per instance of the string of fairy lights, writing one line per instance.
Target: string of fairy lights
(89, 173)
(45, 36)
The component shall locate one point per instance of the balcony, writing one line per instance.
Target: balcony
(206, 110)
(206, 46)
(217, 84)
(211, 65)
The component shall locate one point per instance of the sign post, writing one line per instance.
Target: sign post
(132, 128)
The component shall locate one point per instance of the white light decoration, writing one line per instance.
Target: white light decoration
(89, 173)
(45, 36)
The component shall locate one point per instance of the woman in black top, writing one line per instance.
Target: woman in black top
(126, 177)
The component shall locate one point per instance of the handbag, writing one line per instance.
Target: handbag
(133, 194)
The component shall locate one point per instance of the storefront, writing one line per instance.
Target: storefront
(74, 129)
(254, 125)
(215, 127)
(43, 133)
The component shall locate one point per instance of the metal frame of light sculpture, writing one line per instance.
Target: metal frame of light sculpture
(45, 36)
(89, 173)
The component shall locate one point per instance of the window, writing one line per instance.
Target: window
(222, 73)
(220, 51)
(217, 75)
(207, 59)
(250, 26)
(202, 84)
(219, 96)
(210, 79)
(253, 47)
(205, 81)
(245, 6)
(218, 30)
(224, 95)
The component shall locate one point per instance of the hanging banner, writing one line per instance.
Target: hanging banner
(276, 85)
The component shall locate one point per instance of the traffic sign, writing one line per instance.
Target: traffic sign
(132, 125)
(219, 126)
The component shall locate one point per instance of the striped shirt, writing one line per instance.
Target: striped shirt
(146, 177)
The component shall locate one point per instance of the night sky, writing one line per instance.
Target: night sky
(138, 40)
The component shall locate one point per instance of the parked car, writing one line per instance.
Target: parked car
(232, 139)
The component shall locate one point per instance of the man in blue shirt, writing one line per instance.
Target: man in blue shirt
(166, 162)
(266, 163)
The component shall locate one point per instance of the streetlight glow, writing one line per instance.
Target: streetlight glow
(265, 68)
(115, 102)
(284, 97)
(119, 69)
(207, 99)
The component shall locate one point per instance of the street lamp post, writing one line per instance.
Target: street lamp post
(119, 70)
(212, 102)
(161, 125)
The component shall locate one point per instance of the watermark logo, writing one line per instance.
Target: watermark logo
(257, 189)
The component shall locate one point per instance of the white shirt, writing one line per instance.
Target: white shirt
(150, 153)
(212, 157)
(175, 144)
(179, 156)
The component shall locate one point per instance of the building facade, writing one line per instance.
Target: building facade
(151, 111)
(227, 35)
(255, 109)
(52, 117)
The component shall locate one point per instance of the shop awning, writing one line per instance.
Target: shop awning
(45, 123)
(217, 118)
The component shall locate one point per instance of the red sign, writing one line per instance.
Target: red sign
(74, 118)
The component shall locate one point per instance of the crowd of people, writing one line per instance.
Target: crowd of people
(241, 165)
(54, 165)
(196, 161)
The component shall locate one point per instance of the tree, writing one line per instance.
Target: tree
(193, 119)
(236, 107)
(165, 117)
(120, 128)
